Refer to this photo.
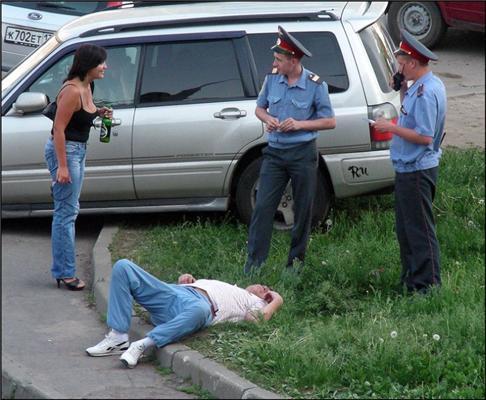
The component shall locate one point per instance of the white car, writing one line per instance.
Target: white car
(26, 24)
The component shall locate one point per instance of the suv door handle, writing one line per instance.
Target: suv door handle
(114, 122)
(230, 113)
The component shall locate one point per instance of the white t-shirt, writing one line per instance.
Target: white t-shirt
(232, 302)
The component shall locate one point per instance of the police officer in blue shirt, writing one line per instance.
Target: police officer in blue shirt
(294, 105)
(415, 153)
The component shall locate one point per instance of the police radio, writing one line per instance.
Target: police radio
(398, 78)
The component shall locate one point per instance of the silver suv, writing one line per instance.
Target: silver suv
(183, 81)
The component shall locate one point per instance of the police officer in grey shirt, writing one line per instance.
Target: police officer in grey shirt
(415, 153)
(294, 105)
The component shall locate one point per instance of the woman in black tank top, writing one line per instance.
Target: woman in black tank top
(65, 154)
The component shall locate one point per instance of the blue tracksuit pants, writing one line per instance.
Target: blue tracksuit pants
(176, 311)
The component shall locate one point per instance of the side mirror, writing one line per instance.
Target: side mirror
(29, 102)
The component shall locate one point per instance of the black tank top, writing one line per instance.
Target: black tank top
(80, 124)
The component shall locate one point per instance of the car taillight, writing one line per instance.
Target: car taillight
(381, 140)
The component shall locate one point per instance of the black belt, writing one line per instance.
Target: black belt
(214, 309)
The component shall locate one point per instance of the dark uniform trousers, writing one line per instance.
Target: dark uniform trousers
(415, 227)
(299, 164)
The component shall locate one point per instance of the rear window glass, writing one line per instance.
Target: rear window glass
(326, 61)
(62, 7)
(379, 47)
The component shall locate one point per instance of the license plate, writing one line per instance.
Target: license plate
(26, 37)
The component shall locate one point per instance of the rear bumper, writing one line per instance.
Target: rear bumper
(360, 173)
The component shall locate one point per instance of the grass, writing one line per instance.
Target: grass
(344, 331)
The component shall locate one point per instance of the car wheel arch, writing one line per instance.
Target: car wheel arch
(325, 188)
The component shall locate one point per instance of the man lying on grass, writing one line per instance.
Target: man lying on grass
(176, 310)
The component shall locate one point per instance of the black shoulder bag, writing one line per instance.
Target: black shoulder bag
(50, 110)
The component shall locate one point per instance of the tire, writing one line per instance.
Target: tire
(420, 18)
(247, 188)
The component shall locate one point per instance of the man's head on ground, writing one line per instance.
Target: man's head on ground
(261, 291)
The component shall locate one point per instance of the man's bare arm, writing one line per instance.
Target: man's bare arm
(186, 278)
(274, 300)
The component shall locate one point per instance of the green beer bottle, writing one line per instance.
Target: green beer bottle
(105, 131)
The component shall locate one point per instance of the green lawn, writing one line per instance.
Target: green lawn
(344, 331)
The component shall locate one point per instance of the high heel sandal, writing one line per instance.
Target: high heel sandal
(72, 285)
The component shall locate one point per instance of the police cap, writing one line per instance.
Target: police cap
(412, 47)
(287, 44)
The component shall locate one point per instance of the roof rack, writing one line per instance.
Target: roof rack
(306, 16)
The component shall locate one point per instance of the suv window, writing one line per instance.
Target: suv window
(326, 61)
(117, 88)
(51, 81)
(191, 71)
(379, 47)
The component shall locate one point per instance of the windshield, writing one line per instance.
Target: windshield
(27, 65)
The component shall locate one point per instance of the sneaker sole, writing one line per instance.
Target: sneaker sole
(126, 364)
(110, 353)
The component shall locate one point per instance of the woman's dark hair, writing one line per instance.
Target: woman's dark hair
(87, 56)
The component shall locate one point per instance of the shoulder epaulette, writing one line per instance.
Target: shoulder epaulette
(315, 78)
(420, 90)
(274, 71)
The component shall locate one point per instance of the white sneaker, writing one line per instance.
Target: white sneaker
(108, 347)
(132, 355)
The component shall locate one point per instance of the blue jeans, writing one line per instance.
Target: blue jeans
(299, 164)
(175, 310)
(415, 228)
(66, 207)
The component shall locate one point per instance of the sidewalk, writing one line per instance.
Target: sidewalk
(45, 332)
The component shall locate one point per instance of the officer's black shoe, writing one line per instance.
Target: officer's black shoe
(251, 269)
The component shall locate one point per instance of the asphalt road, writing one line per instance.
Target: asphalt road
(461, 68)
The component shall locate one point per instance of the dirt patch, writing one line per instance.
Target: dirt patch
(123, 244)
(465, 125)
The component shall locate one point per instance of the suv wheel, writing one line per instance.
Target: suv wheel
(247, 189)
(420, 18)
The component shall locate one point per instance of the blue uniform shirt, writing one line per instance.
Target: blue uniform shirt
(423, 110)
(303, 100)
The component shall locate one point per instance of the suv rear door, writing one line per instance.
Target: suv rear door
(195, 113)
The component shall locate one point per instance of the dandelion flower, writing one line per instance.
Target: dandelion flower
(393, 334)
(436, 337)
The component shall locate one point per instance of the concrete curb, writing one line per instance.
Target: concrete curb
(17, 383)
(186, 363)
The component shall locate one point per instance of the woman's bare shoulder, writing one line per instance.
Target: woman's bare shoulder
(69, 92)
